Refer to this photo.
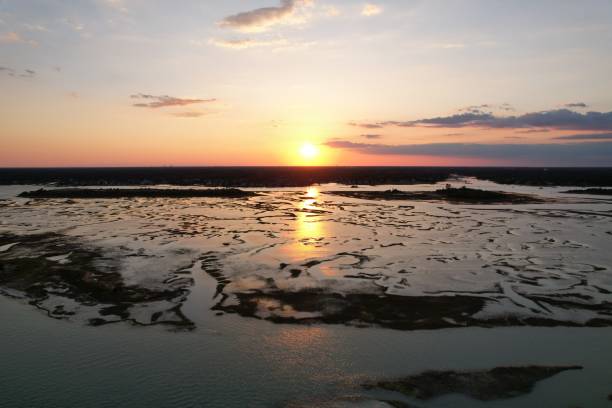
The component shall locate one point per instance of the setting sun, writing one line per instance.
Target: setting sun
(308, 151)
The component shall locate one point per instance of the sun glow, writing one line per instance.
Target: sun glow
(308, 151)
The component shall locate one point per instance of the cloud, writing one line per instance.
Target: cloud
(576, 105)
(445, 46)
(369, 10)
(277, 44)
(366, 125)
(487, 108)
(35, 27)
(117, 5)
(592, 136)
(189, 114)
(244, 43)
(559, 119)
(74, 24)
(263, 18)
(163, 101)
(587, 153)
(26, 73)
(14, 38)
(538, 130)
(372, 136)
(331, 11)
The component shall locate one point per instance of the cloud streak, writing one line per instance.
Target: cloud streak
(263, 18)
(277, 44)
(592, 136)
(14, 38)
(26, 73)
(559, 119)
(189, 114)
(587, 153)
(370, 10)
(162, 101)
(576, 105)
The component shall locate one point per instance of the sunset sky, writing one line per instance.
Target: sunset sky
(305, 82)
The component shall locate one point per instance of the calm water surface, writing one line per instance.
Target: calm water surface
(230, 361)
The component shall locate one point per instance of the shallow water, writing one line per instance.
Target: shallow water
(234, 362)
(229, 360)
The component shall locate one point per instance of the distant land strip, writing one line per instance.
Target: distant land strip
(240, 177)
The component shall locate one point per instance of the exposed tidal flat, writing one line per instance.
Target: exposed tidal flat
(326, 296)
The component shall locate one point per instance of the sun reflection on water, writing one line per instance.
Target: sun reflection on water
(309, 228)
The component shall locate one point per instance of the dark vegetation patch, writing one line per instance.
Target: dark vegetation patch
(397, 312)
(497, 383)
(136, 192)
(346, 402)
(87, 277)
(461, 195)
(592, 191)
(382, 310)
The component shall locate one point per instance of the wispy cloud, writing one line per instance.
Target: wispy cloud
(117, 5)
(369, 10)
(366, 125)
(263, 18)
(74, 24)
(35, 27)
(528, 131)
(592, 136)
(331, 11)
(189, 114)
(371, 136)
(576, 105)
(587, 153)
(487, 108)
(560, 119)
(277, 44)
(25, 73)
(15, 38)
(163, 101)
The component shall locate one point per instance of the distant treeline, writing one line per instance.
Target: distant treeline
(300, 176)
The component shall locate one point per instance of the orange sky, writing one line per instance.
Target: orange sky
(124, 83)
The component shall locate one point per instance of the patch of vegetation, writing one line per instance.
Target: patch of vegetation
(136, 192)
(31, 267)
(462, 195)
(497, 383)
(591, 191)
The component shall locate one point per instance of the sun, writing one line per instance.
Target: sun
(308, 151)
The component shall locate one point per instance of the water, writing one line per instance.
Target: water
(233, 361)
(230, 361)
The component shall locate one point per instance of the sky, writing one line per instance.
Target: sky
(305, 82)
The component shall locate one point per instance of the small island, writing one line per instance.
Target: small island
(462, 195)
(137, 193)
(591, 191)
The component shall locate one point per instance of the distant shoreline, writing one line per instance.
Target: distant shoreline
(276, 176)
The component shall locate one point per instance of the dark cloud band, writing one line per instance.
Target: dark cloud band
(587, 153)
(164, 101)
(560, 119)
